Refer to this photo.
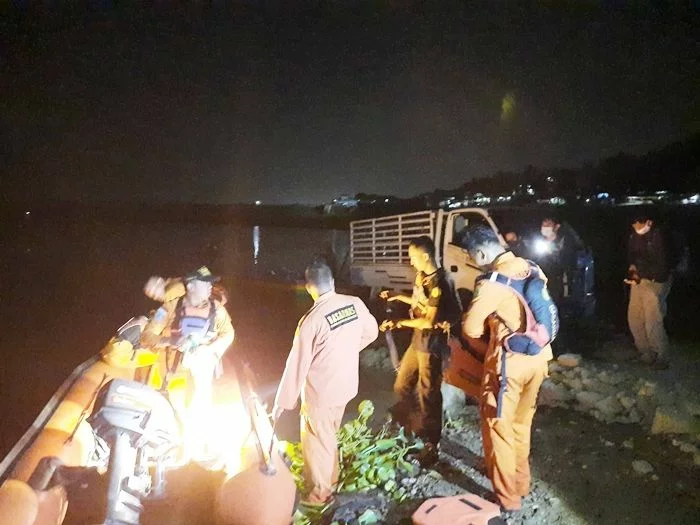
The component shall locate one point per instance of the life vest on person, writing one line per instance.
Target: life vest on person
(198, 329)
(197, 326)
(542, 316)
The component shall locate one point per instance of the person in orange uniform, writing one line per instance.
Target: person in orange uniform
(323, 367)
(494, 313)
(203, 330)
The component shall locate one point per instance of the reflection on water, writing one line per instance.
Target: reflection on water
(256, 243)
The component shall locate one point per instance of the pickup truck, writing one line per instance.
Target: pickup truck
(379, 251)
(379, 248)
(379, 260)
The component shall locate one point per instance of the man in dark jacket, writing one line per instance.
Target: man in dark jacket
(649, 277)
(557, 255)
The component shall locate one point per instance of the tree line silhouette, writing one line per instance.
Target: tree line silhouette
(674, 168)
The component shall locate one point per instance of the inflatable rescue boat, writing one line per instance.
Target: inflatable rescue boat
(108, 448)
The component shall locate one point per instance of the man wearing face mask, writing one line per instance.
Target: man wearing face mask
(649, 277)
(556, 254)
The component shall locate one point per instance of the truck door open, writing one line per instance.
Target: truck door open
(466, 366)
(455, 259)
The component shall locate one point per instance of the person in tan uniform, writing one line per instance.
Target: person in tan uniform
(323, 368)
(202, 329)
(495, 313)
(419, 378)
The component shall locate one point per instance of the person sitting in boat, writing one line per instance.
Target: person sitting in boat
(201, 329)
(124, 349)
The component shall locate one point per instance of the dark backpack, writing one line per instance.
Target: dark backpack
(542, 323)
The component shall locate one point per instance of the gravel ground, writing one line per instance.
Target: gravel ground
(584, 470)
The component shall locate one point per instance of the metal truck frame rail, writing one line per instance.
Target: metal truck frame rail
(385, 239)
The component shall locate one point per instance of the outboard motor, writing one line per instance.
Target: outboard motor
(142, 430)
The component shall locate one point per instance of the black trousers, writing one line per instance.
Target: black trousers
(417, 384)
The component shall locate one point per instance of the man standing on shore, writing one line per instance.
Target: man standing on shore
(649, 277)
(419, 377)
(323, 367)
(561, 247)
(511, 380)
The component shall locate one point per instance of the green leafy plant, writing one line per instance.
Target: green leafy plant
(308, 515)
(454, 423)
(368, 460)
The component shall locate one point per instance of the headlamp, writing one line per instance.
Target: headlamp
(543, 247)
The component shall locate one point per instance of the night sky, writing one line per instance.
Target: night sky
(285, 105)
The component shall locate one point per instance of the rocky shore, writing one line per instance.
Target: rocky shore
(613, 442)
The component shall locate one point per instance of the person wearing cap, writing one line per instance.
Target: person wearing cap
(201, 327)
(323, 368)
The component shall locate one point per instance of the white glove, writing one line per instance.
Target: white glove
(155, 288)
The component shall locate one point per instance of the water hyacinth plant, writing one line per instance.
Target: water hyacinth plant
(368, 460)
